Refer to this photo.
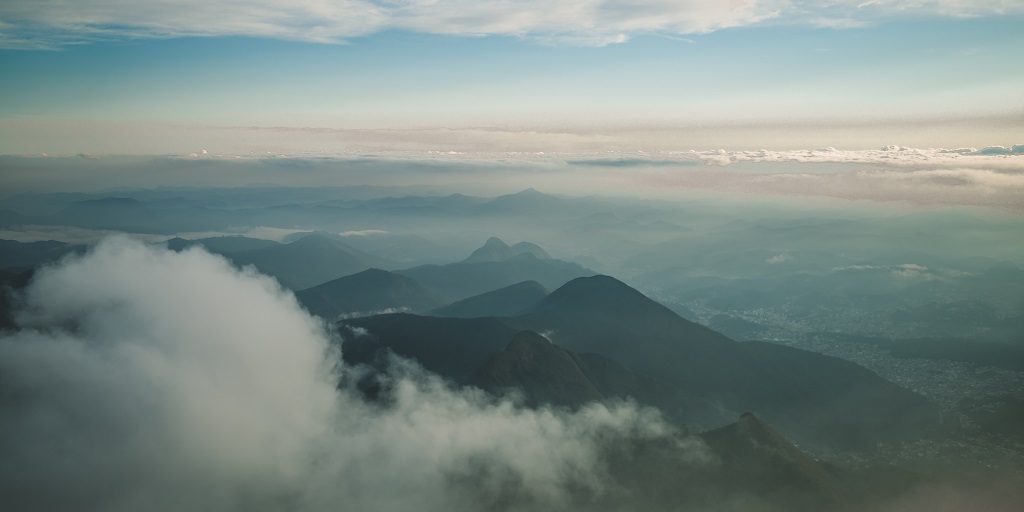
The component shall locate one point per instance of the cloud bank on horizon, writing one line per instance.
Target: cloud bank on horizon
(52, 23)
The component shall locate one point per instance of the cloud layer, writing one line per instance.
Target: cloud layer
(146, 379)
(50, 23)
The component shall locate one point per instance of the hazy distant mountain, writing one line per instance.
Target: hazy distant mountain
(108, 213)
(11, 218)
(508, 301)
(523, 202)
(23, 255)
(308, 261)
(366, 292)
(235, 243)
(404, 249)
(495, 249)
(457, 281)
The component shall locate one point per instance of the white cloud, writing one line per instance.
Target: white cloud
(28, 23)
(143, 379)
(779, 258)
(888, 155)
(363, 232)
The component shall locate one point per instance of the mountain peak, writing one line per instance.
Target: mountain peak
(495, 242)
(598, 292)
(544, 372)
(495, 249)
(529, 192)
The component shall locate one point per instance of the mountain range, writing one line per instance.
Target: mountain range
(610, 340)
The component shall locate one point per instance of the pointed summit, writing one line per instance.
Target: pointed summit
(178, 244)
(603, 295)
(755, 453)
(366, 292)
(494, 249)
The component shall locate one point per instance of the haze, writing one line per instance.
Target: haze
(756, 256)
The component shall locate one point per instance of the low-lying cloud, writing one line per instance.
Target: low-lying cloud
(143, 379)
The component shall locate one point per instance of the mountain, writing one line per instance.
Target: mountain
(496, 249)
(816, 398)
(235, 243)
(308, 261)
(543, 372)
(745, 465)
(457, 281)
(368, 291)
(451, 347)
(10, 284)
(508, 301)
(12, 218)
(23, 255)
(695, 375)
(546, 374)
(529, 201)
(122, 213)
(178, 244)
(753, 452)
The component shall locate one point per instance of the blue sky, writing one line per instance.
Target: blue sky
(519, 65)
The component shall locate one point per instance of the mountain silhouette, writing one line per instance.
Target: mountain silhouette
(495, 249)
(507, 301)
(451, 347)
(693, 374)
(308, 261)
(457, 281)
(817, 398)
(366, 292)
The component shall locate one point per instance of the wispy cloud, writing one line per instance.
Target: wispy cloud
(54, 23)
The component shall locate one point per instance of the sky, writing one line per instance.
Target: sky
(172, 77)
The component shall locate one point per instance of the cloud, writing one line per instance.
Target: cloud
(53, 23)
(364, 232)
(962, 177)
(779, 258)
(888, 155)
(146, 379)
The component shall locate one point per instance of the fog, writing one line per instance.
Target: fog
(141, 378)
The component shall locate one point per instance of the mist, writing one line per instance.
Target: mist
(140, 378)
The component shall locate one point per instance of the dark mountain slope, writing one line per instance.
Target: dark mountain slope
(817, 399)
(543, 372)
(507, 301)
(755, 453)
(23, 255)
(624, 343)
(365, 292)
(745, 466)
(450, 347)
(11, 283)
